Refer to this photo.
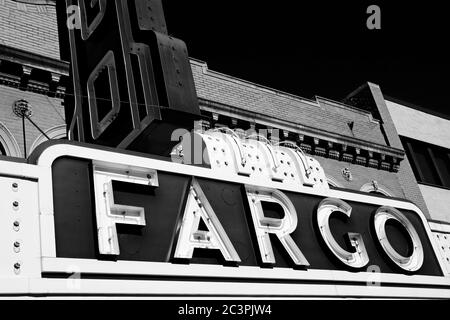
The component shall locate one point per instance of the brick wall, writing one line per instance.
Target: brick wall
(321, 114)
(29, 27)
(410, 186)
(360, 176)
(47, 113)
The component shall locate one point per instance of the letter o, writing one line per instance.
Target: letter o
(411, 263)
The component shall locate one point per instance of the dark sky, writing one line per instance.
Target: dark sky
(322, 48)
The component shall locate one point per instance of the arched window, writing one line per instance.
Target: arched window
(375, 188)
(55, 133)
(8, 144)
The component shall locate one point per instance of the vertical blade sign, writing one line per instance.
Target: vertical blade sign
(127, 72)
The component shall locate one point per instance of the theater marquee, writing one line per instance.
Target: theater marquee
(85, 220)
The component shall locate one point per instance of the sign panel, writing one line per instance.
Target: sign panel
(148, 210)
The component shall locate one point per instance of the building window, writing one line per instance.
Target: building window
(430, 163)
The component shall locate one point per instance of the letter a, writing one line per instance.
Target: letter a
(73, 17)
(374, 21)
(198, 208)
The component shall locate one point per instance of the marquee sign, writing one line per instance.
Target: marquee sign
(161, 227)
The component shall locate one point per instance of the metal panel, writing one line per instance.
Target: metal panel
(150, 14)
(150, 71)
(54, 151)
(164, 207)
(443, 242)
(19, 229)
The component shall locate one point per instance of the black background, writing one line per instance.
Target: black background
(322, 47)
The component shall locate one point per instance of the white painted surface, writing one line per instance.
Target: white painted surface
(437, 201)
(419, 125)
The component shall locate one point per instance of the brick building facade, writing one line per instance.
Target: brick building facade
(356, 141)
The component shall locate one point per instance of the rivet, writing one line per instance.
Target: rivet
(15, 185)
(17, 266)
(17, 244)
(16, 224)
(15, 204)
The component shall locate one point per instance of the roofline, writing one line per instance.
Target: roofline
(416, 107)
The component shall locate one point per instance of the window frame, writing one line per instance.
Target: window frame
(418, 172)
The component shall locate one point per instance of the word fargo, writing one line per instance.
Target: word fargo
(150, 210)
